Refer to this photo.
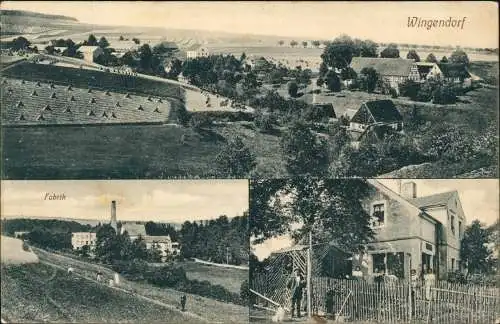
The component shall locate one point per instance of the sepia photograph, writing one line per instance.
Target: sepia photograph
(156, 90)
(154, 251)
(374, 251)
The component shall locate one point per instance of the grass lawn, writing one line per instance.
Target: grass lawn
(41, 293)
(228, 278)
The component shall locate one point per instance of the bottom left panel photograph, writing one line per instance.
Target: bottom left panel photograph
(169, 251)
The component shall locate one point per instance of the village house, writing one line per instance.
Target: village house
(374, 119)
(90, 53)
(133, 230)
(164, 244)
(80, 239)
(392, 71)
(412, 232)
(455, 73)
(427, 70)
(196, 51)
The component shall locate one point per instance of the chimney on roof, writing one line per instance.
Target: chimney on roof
(409, 190)
(113, 215)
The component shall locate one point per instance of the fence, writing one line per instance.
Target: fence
(389, 301)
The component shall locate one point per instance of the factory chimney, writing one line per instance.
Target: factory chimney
(113, 215)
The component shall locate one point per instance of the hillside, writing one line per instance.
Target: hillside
(42, 293)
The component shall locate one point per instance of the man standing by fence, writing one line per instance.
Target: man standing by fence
(296, 285)
(430, 281)
(414, 285)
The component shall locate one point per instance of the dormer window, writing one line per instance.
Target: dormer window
(378, 214)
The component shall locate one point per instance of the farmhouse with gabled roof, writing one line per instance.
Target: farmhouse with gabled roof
(393, 71)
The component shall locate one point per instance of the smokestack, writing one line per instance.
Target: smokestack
(113, 214)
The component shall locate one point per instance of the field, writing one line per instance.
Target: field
(229, 278)
(84, 78)
(197, 306)
(102, 152)
(41, 293)
(35, 103)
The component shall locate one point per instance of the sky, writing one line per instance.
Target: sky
(479, 198)
(379, 21)
(168, 201)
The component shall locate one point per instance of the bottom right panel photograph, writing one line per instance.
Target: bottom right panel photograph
(374, 250)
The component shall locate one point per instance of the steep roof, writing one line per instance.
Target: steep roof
(157, 239)
(424, 68)
(433, 200)
(383, 111)
(194, 47)
(384, 66)
(134, 229)
(454, 70)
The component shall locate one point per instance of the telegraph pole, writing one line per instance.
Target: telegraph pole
(309, 292)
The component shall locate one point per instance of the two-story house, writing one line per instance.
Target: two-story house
(393, 71)
(412, 232)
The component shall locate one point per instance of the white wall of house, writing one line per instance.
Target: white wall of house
(80, 239)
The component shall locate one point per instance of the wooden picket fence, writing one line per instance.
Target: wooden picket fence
(390, 301)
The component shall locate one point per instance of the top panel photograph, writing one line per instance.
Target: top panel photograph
(166, 90)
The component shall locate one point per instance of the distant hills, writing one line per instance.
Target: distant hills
(27, 14)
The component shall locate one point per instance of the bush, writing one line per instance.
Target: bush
(456, 277)
(293, 89)
(444, 94)
(393, 92)
(449, 143)
(199, 121)
(168, 276)
(265, 121)
(409, 89)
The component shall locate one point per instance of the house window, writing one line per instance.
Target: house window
(459, 229)
(378, 215)
(452, 264)
(452, 223)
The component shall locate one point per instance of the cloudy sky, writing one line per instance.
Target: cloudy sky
(379, 21)
(479, 198)
(168, 201)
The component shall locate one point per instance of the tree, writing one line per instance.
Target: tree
(332, 81)
(391, 51)
(304, 44)
(293, 88)
(136, 40)
(368, 48)
(474, 251)
(293, 43)
(431, 58)
(305, 152)
(412, 54)
(103, 42)
(331, 209)
(338, 54)
(105, 248)
(20, 43)
(409, 88)
(316, 43)
(145, 57)
(323, 69)
(444, 94)
(235, 159)
(281, 42)
(459, 57)
(121, 38)
(449, 143)
(91, 41)
(50, 49)
(368, 78)
(444, 59)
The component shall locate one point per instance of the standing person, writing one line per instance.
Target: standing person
(99, 276)
(183, 302)
(357, 274)
(414, 285)
(296, 285)
(430, 281)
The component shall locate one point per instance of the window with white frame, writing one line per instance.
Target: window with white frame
(378, 214)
